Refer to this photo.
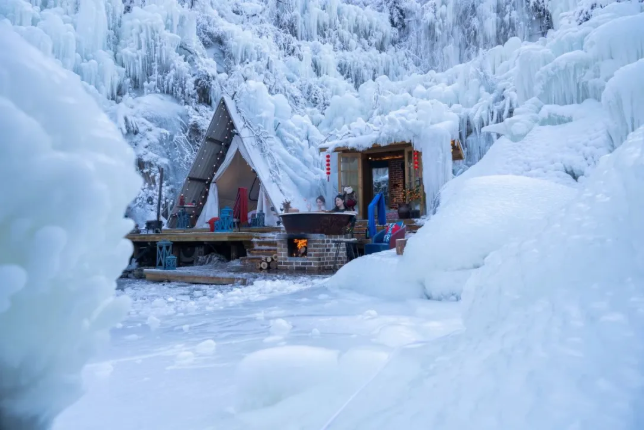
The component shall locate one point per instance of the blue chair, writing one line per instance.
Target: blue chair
(383, 241)
(379, 202)
(225, 222)
(183, 219)
(258, 219)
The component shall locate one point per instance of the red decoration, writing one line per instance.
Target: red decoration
(240, 209)
(416, 160)
(328, 167)
(182, 201)
(211, 222)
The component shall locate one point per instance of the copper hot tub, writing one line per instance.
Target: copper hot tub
(317, 222)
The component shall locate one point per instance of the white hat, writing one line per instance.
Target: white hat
(348, 190)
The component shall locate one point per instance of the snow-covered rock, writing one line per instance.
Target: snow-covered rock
(66, 178)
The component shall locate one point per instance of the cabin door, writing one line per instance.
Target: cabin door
(414, 177)
(350, 175)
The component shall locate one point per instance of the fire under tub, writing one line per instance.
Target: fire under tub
(317, 222)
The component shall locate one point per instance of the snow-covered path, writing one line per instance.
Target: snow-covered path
(161, 371)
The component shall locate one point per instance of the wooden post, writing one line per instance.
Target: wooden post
(400, 246)
(160, 194)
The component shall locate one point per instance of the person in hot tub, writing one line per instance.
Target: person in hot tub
(321, 203)
(339, 205)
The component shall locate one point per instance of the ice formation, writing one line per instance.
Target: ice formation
(158, 67)
(57, 266)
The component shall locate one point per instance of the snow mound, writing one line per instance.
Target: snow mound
(377, 275)
(268, 376)
(280, 327)
(153, 322)
(61, 232)
(476, 217)
(206, 347)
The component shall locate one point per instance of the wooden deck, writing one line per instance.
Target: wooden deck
(201, 235)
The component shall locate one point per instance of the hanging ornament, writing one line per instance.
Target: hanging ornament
(416, 160)
(328, 167)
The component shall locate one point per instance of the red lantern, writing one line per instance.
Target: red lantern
(416, 160)
(328, 167)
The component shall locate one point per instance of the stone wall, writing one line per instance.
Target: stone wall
(320, 253)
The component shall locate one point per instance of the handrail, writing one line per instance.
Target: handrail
(379, 200)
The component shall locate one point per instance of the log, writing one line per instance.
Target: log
(257, 266)
(269, 259)
(275, 257)
(400, 246)
(274, 264)
(264, 265)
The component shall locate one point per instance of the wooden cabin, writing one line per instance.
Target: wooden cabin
(361, 170)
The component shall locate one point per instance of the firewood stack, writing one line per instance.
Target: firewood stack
(267, 263)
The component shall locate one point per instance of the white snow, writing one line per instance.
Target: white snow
(66, 178)
(153, 322)
(280, 327)
(268, 376)
(206, 347)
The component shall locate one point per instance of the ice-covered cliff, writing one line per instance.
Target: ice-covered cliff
(158, 66)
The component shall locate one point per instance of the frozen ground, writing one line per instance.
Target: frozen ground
(175, 362)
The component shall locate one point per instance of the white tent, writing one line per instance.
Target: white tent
(248, 162)
(237, 170)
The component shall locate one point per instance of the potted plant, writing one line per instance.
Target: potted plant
(411, 207)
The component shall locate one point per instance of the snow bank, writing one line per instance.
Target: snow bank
(66, 178)
(476, 217)
(376, 274)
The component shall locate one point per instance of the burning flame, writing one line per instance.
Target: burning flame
(301, 247)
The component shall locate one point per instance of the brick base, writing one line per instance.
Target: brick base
(320, 253)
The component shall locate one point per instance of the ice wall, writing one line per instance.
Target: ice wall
(66, 178)
(511, 89)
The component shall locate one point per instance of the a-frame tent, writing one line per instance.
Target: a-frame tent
(230, 156)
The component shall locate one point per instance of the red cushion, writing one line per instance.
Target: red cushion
(393, 228)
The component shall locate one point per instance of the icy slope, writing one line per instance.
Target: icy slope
(57, 266)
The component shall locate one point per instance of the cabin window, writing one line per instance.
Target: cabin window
(349, 173)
